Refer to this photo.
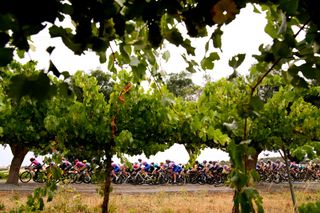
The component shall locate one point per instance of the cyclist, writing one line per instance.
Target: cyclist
(270, 165)
(78, 165)
(226, 169)
(87, 167)
(65, 165)
(176, 170)
(146, 167)
(261, 166)
(35, 166)
(136, 167)
(279, 165)
(115, 170)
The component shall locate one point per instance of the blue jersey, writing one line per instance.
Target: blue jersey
(116, 168)
(176, 168)
(146, 167)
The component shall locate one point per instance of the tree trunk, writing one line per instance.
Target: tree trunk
(251, 161)
(105, 204)
(293, 196)
(19, 152)
(250, 165)
(236, 206)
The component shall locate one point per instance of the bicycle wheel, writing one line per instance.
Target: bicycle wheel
(25, 176)
(86, 179)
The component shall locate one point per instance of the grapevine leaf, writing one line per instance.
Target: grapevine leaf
(236, 61)
(166, 55)
(289, 6)
(6, 55)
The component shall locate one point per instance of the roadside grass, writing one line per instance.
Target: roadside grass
(67, 200)
(4, 174)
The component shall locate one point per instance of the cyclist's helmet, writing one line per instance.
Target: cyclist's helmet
(76, 161)
(32, 159)
(84, 161)
(204, 162)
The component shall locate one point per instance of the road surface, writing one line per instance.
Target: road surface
(136, 189)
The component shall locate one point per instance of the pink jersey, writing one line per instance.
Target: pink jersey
(35, 162)
(79, 164)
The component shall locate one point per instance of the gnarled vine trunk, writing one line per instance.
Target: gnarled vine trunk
(251, 161)
(105, 204)
(19, 152)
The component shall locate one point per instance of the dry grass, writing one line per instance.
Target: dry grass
(70, 201)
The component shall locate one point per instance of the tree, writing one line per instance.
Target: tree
(131, 121)
(287, 123)
(105, 82)
(22, 120)
(181, 85)
(224, 108)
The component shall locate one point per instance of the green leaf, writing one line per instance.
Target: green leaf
(281, 49)
(216, 38)
(236, 60)
(299, 153)
(191, 69)
(128, 49)
(66, 9)
(207, 46)
(124, 55)
(309, 71)
(102, 57)
(50, 49)
(189, 48)
(257, 103)
(66, 74)
(166, 55)
(175, 37)
(54, 69)
(290, 7)
(299, 82)
(21, 53)
(192, 65)
(271, 30)
(6, 21)
(111, 63)
(207, 63)
(6, 55)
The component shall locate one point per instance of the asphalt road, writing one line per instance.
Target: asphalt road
(133, 189)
